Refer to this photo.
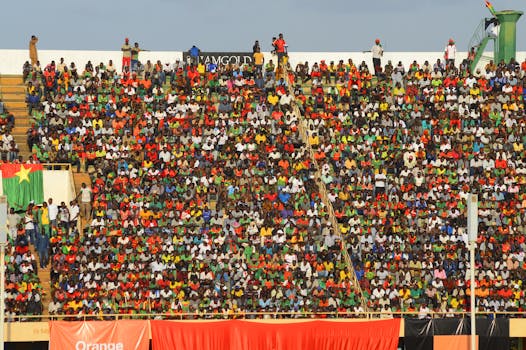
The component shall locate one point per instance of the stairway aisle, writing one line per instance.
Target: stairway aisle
(13, 94)
(45, 282)
(302, 125)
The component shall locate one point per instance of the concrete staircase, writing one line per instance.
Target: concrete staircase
(45, 282)
(13, 94)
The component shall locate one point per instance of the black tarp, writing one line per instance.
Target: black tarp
(493, 333)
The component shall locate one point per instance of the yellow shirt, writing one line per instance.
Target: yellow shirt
(44, 216)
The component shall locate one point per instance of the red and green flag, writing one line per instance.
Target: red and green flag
(490, 7)
(22, 183)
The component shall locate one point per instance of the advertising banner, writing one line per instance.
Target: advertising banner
(248, 335)
(222, 58)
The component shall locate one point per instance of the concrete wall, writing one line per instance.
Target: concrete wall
(57, 185)
(11, 61)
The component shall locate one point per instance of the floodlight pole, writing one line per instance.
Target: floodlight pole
(472, 235)
(2, 294)
(3, 242)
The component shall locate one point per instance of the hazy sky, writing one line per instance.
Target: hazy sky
(233, 25)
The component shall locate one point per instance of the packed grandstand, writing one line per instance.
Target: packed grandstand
(318, 190)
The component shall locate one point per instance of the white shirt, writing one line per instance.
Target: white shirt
(85, 195)
(377, 51)
(52, 211)
(74, 212)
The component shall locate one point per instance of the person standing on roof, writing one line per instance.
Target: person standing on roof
(450, 52)
(378, 52)
(135, 57)
(194, 53)
(33, 55)
(126, 54)
(281, 47)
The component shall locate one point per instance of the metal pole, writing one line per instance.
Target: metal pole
(2, 294)
(3, 243)
(472, 234)
(472, 287)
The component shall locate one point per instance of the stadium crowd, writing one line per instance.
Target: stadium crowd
(204, 197)
(399, 157)
(203, 194)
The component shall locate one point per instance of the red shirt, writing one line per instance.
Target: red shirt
(280, 45)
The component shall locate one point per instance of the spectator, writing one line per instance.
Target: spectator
(194, 54)
(450, 52)
(33, 54)
(377, 52)
(281, 48)
(126, 54)
(85, 195)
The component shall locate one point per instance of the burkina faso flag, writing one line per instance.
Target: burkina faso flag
(22, 183)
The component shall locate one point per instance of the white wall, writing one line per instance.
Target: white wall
(11, 61)
(57, 185)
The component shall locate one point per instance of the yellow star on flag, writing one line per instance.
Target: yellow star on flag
(23, 174)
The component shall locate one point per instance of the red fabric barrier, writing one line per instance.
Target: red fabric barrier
(241, 335)
(94, 335)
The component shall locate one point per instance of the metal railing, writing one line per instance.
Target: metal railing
(324, 196)
(278, 315)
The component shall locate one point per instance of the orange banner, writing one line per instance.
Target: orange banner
(95, 335)
(453, 342)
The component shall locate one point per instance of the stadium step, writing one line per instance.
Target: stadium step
(13, 89)
(11, 80)
(18, 111)
(15, 104)
(45, 281)
(79, 178)
(324, 196)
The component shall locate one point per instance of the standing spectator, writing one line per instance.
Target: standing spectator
(33, 55)
(64, 216)
(135, 56)
(194, 53)
(29, 225)
(85, 201)
(450, 53)
(256, 47)
(53, 212)
(281, 47)
(13, 219)
(126, 54)
(74, 211)
(378, 52)
(43, 249)
(33, 102)
(44, 222)
(259, 60)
